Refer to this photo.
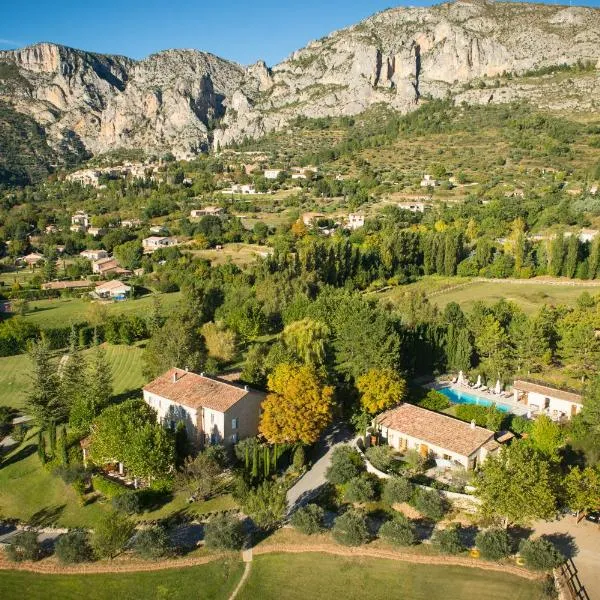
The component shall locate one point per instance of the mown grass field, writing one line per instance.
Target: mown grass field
(64, 311)
(213, 581)
(305, 576)
(125, 361)
(239, 254)
(529, 295)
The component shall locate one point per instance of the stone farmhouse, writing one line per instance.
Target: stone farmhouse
(450, 441)
(213, 410)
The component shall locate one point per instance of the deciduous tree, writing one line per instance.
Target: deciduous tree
(380, 389)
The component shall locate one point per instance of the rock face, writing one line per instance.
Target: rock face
(184, 100)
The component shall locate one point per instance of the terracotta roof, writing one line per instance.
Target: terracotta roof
(109, 286)
(436, 429)
(527, 386)
(59, 285)
(193, 390)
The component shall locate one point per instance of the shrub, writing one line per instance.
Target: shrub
(24, 546)
(361, 489)
(152, 543)
(435, 400)
(73, 547)
(399, 531)
(397, 490)
(71, 473)
(415, 461)
(266, 504)
(224, 532)
(540, 554)
(493, 544)
(381, 457)
(299, 458)
(350, 529)
(448, 540)
(346, 463)
(111, 534)
(308, 519)
(128, 503)
(109, 489)
(429, 503)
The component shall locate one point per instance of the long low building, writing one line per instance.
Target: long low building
(213, 411)
(409, 427)
(545, 399)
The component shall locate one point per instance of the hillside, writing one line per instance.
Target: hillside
(185, 101)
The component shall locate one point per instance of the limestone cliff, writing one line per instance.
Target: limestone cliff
(185, 100)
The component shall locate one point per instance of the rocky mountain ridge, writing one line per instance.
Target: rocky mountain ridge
(183, 101)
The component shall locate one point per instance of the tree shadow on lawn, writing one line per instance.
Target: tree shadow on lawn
(517, 534)
(126, 395)
(565, 543)
(23, 453)
(46, 517)
(467, 535)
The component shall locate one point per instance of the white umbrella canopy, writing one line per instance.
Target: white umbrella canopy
(498, 387)
(478, 380)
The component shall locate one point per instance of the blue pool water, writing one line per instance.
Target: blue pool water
(460, 397)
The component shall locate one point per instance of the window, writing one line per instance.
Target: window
(235, 423)
(212, 418)
(234, 438)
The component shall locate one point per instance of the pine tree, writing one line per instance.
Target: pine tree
(99, 388)
(72, 373)
(43, 399)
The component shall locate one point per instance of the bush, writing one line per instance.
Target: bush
(361, 489)
(308, 519)
(346, 463)
(540, 554)
(128, 503)
(435, 400)
(350, 529)
(399, 531)
(224, 532)
(24, 546)
(73, 547)
(152, 543)
(381, 457)
(429, 503)
(299, 458)
(266, 505)
(448, 540)
(494, 544)
(415, 461)
(111, 534)
(71, 474)
(109, 489)
(397, 490)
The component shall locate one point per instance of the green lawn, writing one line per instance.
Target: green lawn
(305, 576)
(180, 503)
(126, 363)
(529, 296)
(29, 492)
(63, 311)
(213, 581)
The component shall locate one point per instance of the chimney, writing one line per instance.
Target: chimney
(473, 424)
(246, 388)
(187, 369)
(202, 374)
(174, 376)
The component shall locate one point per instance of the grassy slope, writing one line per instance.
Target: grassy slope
(126, 363)
(63, 311)
(213, 581)
(297, 577)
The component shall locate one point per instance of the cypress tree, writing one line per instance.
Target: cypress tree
(594, 260)
(41, 449)
(572, 257)
(52, 438)
(64, 456)
(255, 462)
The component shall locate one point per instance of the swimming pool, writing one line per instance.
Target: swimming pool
(460, 397)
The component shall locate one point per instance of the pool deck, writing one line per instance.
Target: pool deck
(516, 408)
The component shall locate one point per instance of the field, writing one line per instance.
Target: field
(529, 295)
(126, 363)
(239, 254)
(213, 581)
(63, 311)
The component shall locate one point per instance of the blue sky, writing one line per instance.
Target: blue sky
(238, 30)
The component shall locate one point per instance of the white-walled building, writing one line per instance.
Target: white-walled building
(544, 399)
(213, 411)
(94, 254)
(355, 221)
(415, 206)
(428, 181)
(272, 173)
(409, 427)
(207, 210)
(154, 242)
(80, 221)
(115, 289)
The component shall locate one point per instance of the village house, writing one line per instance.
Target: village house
(131, 223)
(158, 229)
(272, 173)
(450, 441)
(50, 229)
(213, 410)
(94, 254)
(154, 242)
(428, 181)
(80, 221)
(66, 285)
(355, 221)
(240, 188)
(108, 266)
(543, 399)
(587, 235)
(96, 231)
(207, 210)
(32, 259)
(414, 207)
(115, 290)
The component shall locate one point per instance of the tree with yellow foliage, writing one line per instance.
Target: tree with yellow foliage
(380, 389)
(299, 229)
(298, 407)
